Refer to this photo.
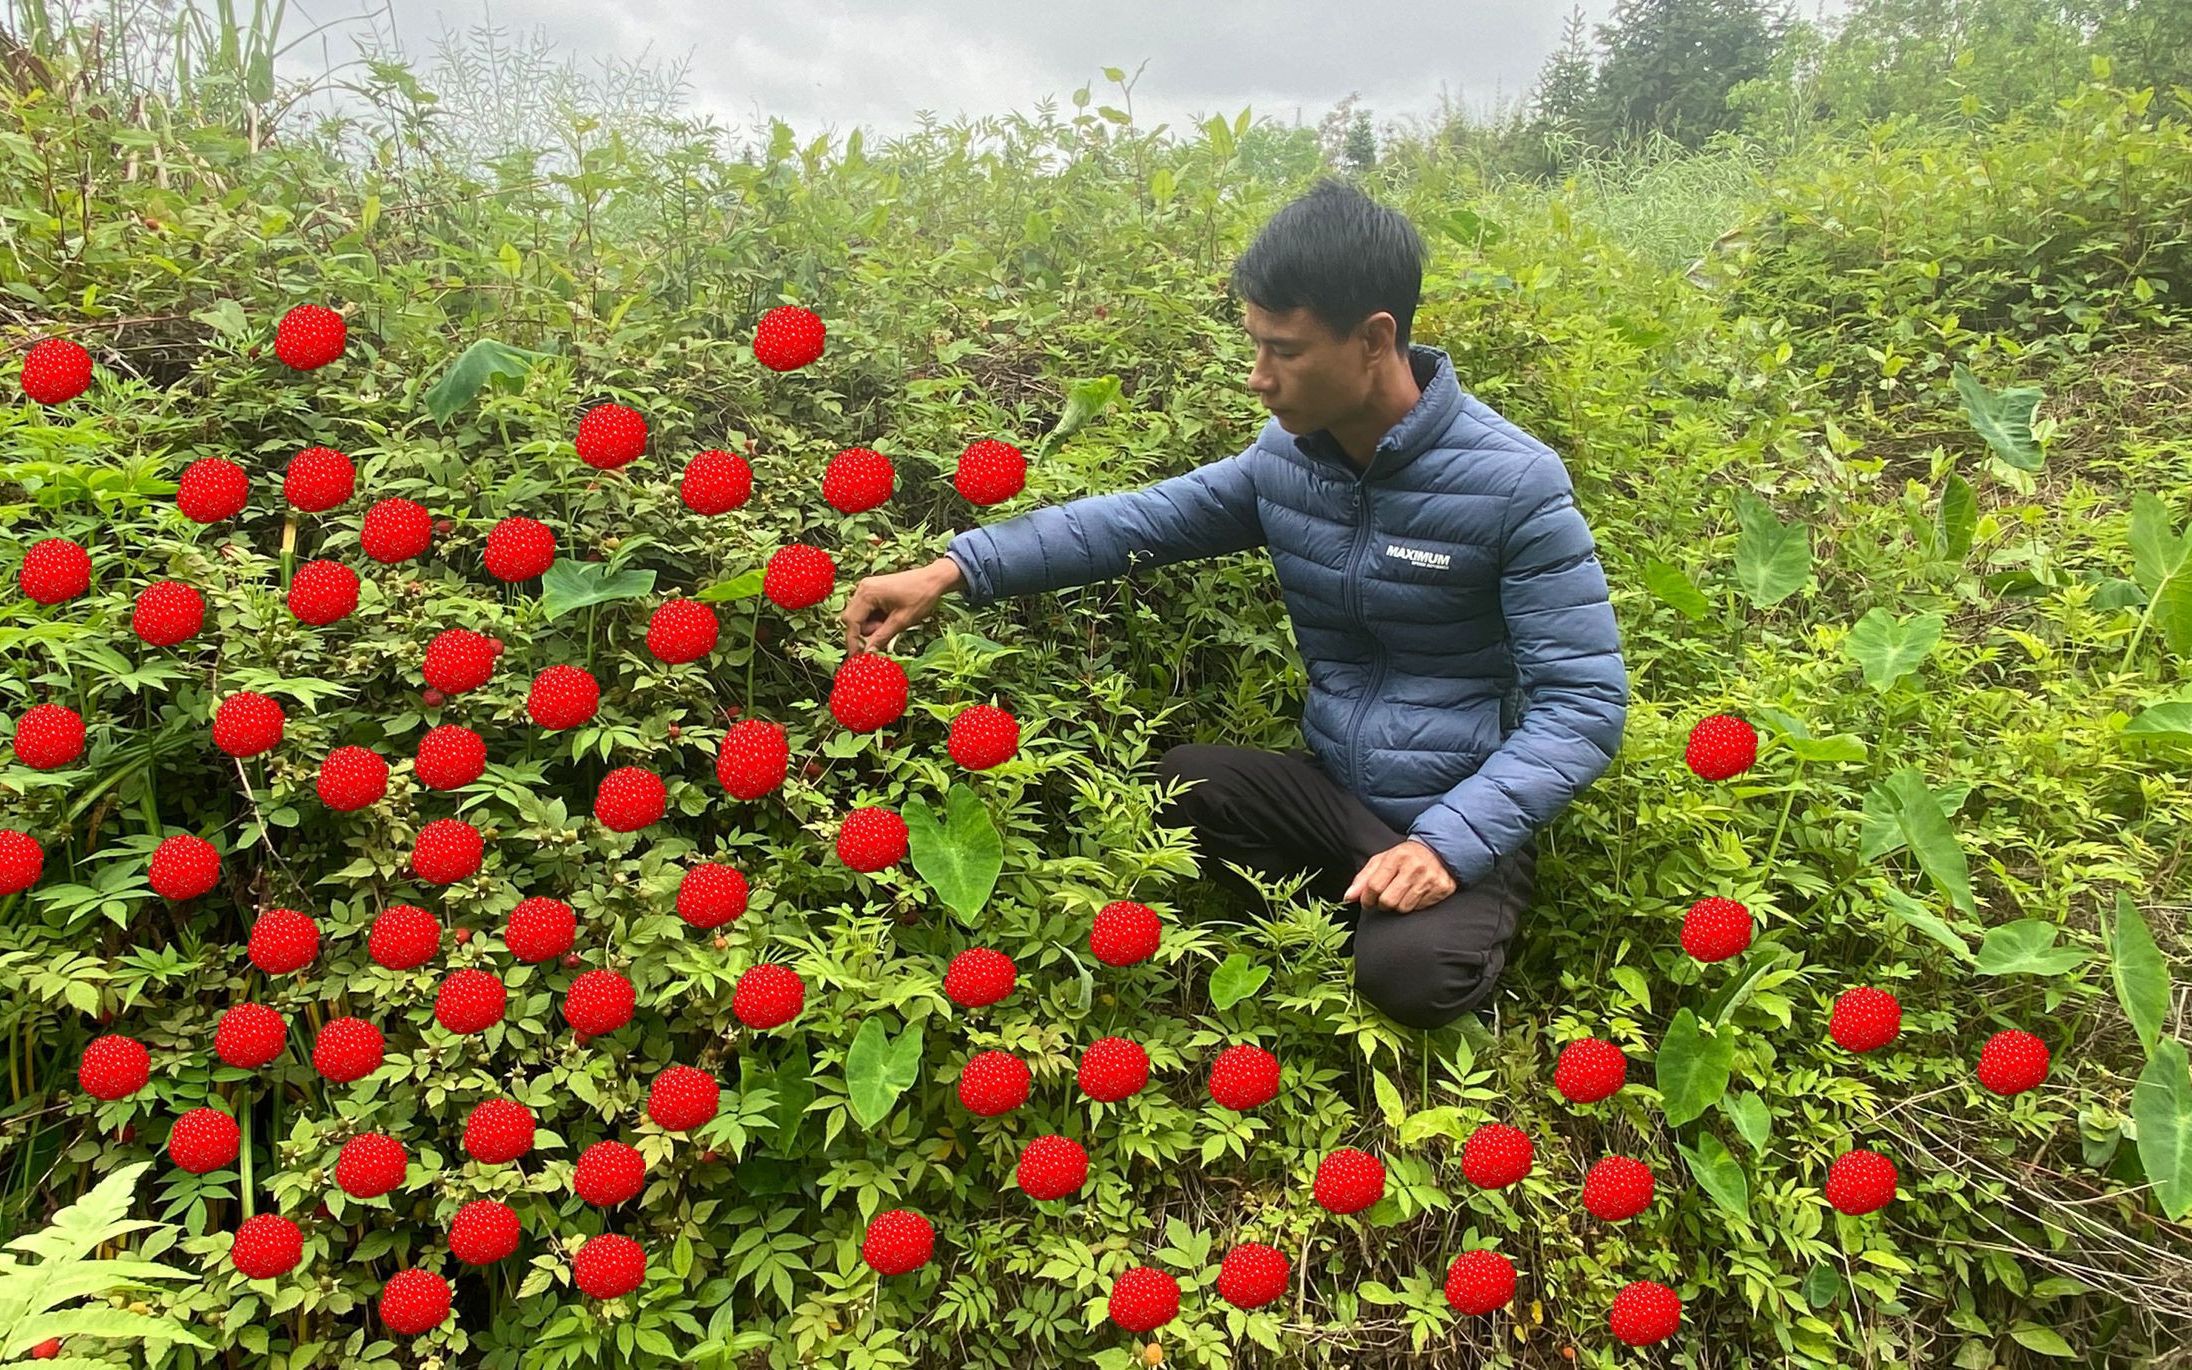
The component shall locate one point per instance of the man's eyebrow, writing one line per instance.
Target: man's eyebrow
(1275, 339)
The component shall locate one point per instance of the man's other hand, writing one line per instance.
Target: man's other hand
(883, 606)
(1402, 879)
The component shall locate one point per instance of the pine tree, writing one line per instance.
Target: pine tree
(1669, 64)
(1562, 93)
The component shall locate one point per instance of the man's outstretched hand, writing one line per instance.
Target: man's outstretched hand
(1402, 879)
(883, 606)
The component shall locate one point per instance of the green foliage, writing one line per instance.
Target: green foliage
(36, 1298)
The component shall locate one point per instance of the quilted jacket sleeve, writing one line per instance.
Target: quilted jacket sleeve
(1207, 512)
(1567, 655)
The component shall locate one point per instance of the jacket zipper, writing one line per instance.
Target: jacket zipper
(1377, 648)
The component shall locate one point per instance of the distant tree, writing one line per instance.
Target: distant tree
(1362, 144)
(1669, 64)
(1562, 91)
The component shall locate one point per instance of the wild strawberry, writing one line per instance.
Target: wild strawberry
(1618, 1188)
(184, 866)
(266, 1246)
(868, 692)
(608, 1266)
(54, 570)
(1590, 1069)
(1143, 1299)
(483, 1232)
(1721, 746)
(22, 861)
(414, 1302)
(982, 736)
(1644, 1312)
(49, 1349)
(347, 1050)
(2012, 1061)
(608, 1173)
(1051, 1167)
(540, 929)
(498, 1131)
(447, 850)
(520, 548)
(250, 1036)
(682, 630)
(754, 757)
(351, 778)
(716, 482)
(599, 1002)
(871, 839)
(788, 337)
(404, 937)
(768, 995)
(457, 660)
(1715, 929)
(630, 798)
(711, 894)
(450, 757)
(1860, 1181)
(56, 370)
(48, 736)
(395, 530)
(371, 1164)
(283, 941)
(562, 697)
(309, 337)
(798, 575)
(469, 1001)
(979, 977)
(167, 612)
(1124, 933)
(1113, 1068)
(247, 723)
(990, 472)
(1349, 1181)
(319, 478)
(212, 489)
(1496, 1156)
(611, 436)
(1253, 1274)
(203, 1140)
(1480, 1282)
(113, 1067)
(683, 1098)
(1244, 1077)
(994, 1082)
(899, 1241)
(1864, 1019)
(323, 592)
(857, 479)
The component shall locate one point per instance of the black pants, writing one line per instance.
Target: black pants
(1279, 813)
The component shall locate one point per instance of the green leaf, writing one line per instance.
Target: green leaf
(570, 584)
(1692, 1068)
(2003, 418)
(480, 363)
(1235, 979)
(2025, 947)
(1925, 829)
(744, 586)
(1390, 1103)
(2161, 1106)
(2170, 719)
(1959, 517)
(1719, 1174)
(1881, 833)
(1751, 1118)
(961, 858)
(1772, 559)
(1634, 981)
(878, 1069)
(1084, 401)
(1890, 648)
(1922, 918)
(2162, 561)
(226, 318)
(1840, 747)
(1672, 584)
(2142, 978)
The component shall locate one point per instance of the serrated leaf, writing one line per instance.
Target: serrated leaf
(1888, 647)
(961, 857)
(2025, 947)
(2142, 977)
(2003, 418)
(477, 365)
(1772, 559)
(1673, 585)
(1692, 1068)
(1719, 1174)
(1235, 979)
(2161, 1106)
(570, 584)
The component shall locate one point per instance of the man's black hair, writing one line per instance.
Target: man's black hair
(1342, 255)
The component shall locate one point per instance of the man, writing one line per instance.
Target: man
(1465, 672)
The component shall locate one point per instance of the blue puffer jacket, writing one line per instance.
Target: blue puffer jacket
(1441, 598)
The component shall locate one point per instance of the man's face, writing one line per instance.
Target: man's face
(1307, 377)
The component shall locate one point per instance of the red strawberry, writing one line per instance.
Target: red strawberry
(183, 867)
(450, 757)
(447, 850)
(1143, 1299)
(48, 736)
(871, 839)
(716, 482)
(250, 1036)
(1864, 1019)
(1496, 1156)
(404, 937)
(247, 723)
(682, 630)
(1721, 746)
(899, 1241)
(54, 570)
(1124, 933)
(1113, 1068)
(212, 489)
(1590, 1069)
(711, 894)
(113, 1067)
(167, 612)
(768, 996)
(457, 660)
(1644, 1312)
(798, 575)
(1860, 1181)
(979, 977)
(395, 530)
(540, 929)
(309, 337)
(683, 1098)
(1349, 1181)
(318, 479)
(56, 370)
(414, 1302)
(868, 692)
(483, 1232)
(983, 736)
(788, 337)
(990, 472)
(347, 1050)
(1618, 1188)
(49, 1349)
(1715, 929)
(2012, 1061)
(1244, 1077)
(469, 1001)
(498, 1131)
(599, 1002)
(520, 548)
(323, 592)
(1051, 1167)
(203, 1140)
(611, 436)
(22, 861)
(754, 758)
(371, 1164)
(1480, 1282)
(351, 778)
(857, 479)
(994, 1082)
(283, 941)
(562, 697)
(266, 1246)
(608, 1266)
(608, 1173)
(630, 798)
(1253, 1274)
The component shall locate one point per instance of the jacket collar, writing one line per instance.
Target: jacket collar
(1419, 430)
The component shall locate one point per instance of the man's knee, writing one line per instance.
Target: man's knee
(1203, 777)
(1417, 987)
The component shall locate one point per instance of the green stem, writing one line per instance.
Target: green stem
(243, 1153)
(1786, 805)
(753, 650)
